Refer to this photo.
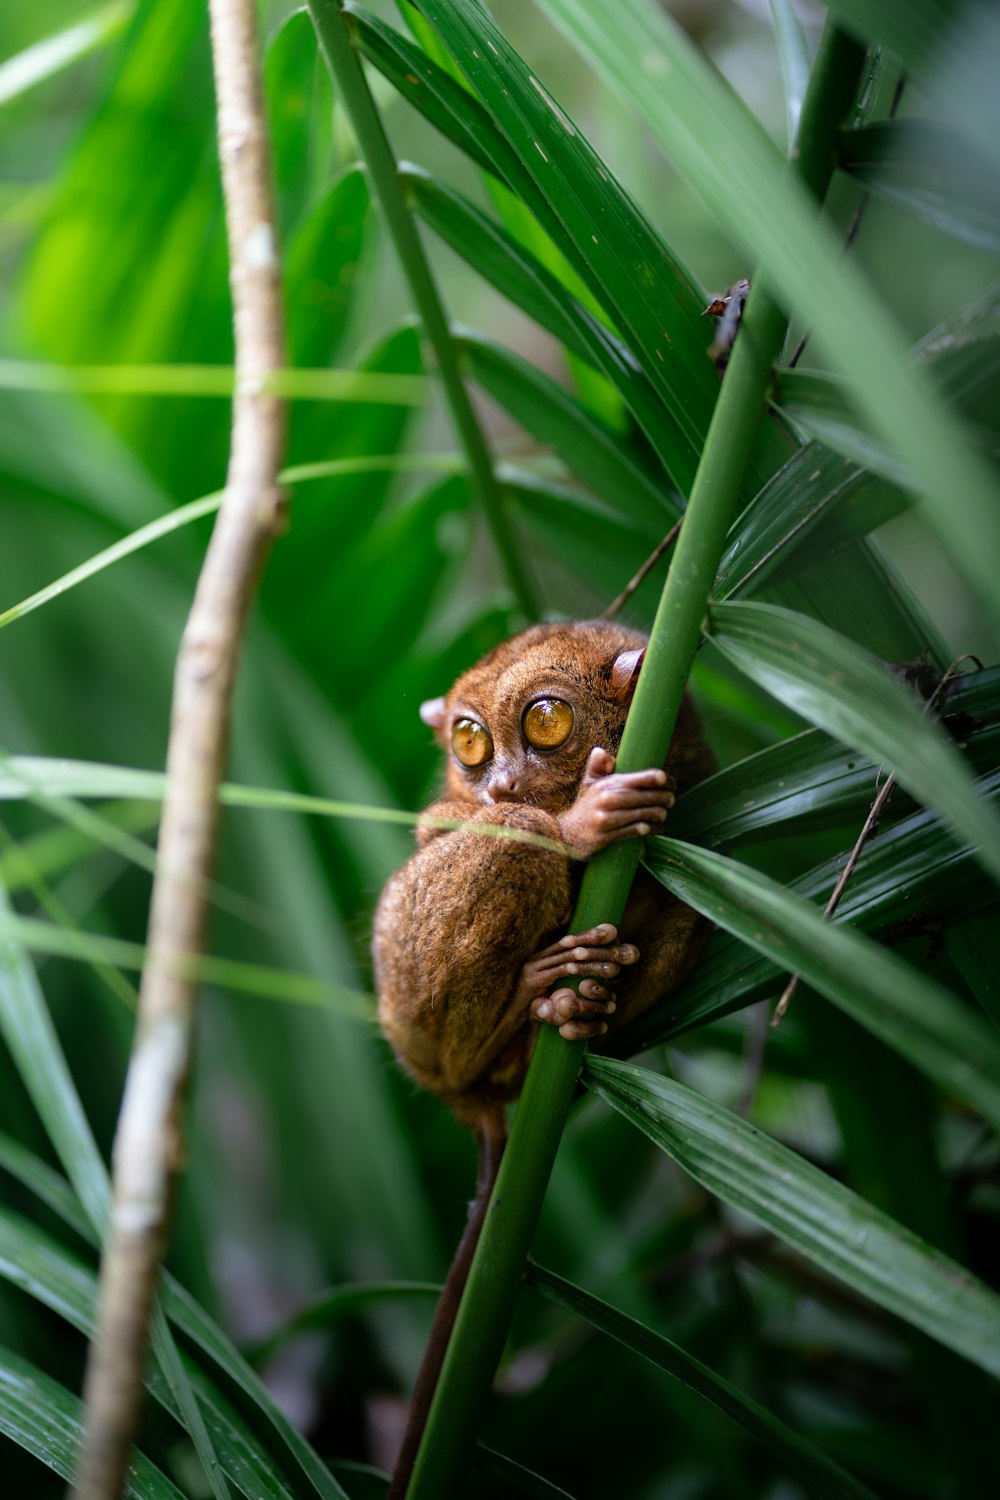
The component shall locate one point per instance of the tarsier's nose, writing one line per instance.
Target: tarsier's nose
(504, 786)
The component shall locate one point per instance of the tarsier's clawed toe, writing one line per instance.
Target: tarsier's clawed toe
(578, 1016)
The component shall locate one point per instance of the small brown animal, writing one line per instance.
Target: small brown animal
(469, 955)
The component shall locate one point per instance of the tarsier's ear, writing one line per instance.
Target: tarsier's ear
(625, 674)
(432, 713)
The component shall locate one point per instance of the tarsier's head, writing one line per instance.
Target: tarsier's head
(520, 724)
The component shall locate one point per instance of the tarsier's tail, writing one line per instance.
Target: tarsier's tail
(491, 1138)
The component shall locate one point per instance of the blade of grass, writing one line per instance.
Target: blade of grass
(207, 505)
(57, 849)
(31, 1038)
(844, 690)
(514, 271)
(816, 502)
(46, 1184)
(928, 172)
(910, 869)
(62, 49)
(47, 1271)
(793, 55)
(515, 1474)
(327, 1307)
(88, 779)
(42, 1417)
(212, 380)
(795, 1453)
(554, 416)
(820, 405)
(356, 99)
(246, 978)
(917, 1017)
(182, 1310)
(809, 1210)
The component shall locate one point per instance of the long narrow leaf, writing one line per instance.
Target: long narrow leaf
(814, 781)
(42, 1417)
(727, 158)
(818, 500)
(514, 271)
(27, 1028)
(207, 505)
(660, 309)
(908, 871)
(50, 56)
(842, 689)
(795, 1453)
(794, 57)
(556, 417)
(33, 1261)
(184, 1312)
(820, 405)
(911, 1013)
(928, 172)
(810, 1211)
(252, 979)
(213, 380)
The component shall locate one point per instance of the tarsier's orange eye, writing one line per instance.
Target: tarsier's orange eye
(548, 723)
(471, 742)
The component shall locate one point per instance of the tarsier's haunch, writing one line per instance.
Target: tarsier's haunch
(471, 950)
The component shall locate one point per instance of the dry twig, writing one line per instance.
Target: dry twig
(644, 571)
(869, 827)
(149, 1142)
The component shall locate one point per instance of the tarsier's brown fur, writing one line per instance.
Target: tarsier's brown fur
(468, 945)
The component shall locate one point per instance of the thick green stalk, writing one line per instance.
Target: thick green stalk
(485, 1314)
(354, 94)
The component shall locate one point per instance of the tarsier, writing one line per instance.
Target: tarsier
(470, 944)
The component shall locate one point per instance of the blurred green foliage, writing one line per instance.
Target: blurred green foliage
(312, 1162)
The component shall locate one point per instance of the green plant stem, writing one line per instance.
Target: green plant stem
(354, 94)
(485, 1314)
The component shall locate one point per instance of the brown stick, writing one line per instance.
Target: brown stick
(491, 1138)
(149, 1140)
(868, 829)
(644, 571)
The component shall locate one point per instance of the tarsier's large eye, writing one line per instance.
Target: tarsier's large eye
(471, 742)
(548, 723)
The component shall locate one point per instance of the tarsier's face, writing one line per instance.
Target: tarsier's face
(518, 751)
(519, 726)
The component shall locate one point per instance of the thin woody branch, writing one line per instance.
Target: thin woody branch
(149, 1142)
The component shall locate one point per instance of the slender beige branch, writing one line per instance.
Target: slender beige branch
(149, 1142)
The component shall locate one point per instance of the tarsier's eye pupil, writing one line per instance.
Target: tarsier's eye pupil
(548, 723)
(471, 742)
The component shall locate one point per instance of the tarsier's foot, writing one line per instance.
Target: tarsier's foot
(596, 955)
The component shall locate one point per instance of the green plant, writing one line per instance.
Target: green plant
(838, 1320)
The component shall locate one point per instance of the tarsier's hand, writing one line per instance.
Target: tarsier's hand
(611, 806)
(597, 955)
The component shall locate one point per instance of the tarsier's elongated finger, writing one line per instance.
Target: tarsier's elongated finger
(604, 932)
(603, 962)
(638, 779)
(620, 817)
(635, 796)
